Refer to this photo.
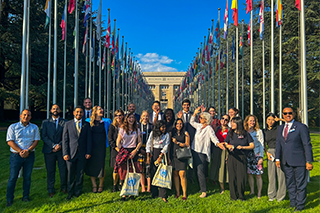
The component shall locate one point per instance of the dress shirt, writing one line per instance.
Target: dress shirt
(56, 121)
(185, 116)
(258, 141)
(154, 115)
(80, 122)
(22, 135)
(158, 143)
(202, 138)
(289, 127)
(86, 112)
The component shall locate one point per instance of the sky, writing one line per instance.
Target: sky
(164, 35)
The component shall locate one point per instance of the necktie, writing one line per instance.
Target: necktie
(56, 121)
(78, 127)
(187, 120)
(285, 134)
(88, 114)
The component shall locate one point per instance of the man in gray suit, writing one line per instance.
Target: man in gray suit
(76, 148)
(51, 134)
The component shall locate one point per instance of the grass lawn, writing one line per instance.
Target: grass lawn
(110, 202)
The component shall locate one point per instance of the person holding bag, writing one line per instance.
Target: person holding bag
(180, 140)
(156, 148)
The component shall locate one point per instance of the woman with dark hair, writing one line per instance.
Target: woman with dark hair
(215, 121)
(112, 136)
(274, 173)
(233, 112)
(180, 139)
(157, 147)
(96, 164)
(129, 143)
(238, 141)
(169, 119)
(255, 162)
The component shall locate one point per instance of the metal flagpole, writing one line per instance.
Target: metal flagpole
(86, 73)
(227, 72)
(76, 56)
(65, 62)
(118, 76)
(93, 67)
(237, 70)
(23, 61)
(122, 76)
(272, 60)
(49, 64)
(242, 73)
(264, 74)
(280, 70)
(304, 66)
(108, 62)
(27, 58)
(90, 55)
(105, 109)
(55, 51)
(219, 67)
(251, 65)
(100, 72)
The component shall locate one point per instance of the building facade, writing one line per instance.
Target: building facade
(164, 86)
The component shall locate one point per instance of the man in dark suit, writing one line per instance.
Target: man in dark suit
(156, 114)
(51, 134)
(132, 109)
(294, 155)
(87, 104)
(76, 148)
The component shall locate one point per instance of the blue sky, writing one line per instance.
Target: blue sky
(165, 35)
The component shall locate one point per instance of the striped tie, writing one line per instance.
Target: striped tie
(78, 127)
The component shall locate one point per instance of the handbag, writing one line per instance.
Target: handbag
(163, 176)
(183, 153)
(132, 182)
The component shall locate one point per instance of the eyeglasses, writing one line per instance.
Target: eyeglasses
(226, 119)
(285, 113)
(119, 115)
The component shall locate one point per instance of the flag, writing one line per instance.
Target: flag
(84, 41)
(221, 58)
(279, 13)
(104, 58)
(249, 34)
(86, 8)
(261, 20)
(47, 11)
(63, 23)
(241, 43)
(226, 22)
(125, 58)
(117, 47)
(208, 48)
(211, 41)
(234, 7)
(233, 50)
(72, 4)
(113, 39)
(108, 35)
(217, 33)
(92, 49)
(98, 23)
(249, 5)
(298, 4)
(204, 53)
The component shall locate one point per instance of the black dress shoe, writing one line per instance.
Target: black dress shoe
(114, 189)
(26, 199)
(9, 203)
(51, 195)
(69, 197)
(63, 191)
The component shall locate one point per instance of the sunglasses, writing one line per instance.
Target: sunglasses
(226, 119)
(285, 113)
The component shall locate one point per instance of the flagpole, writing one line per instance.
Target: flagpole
(108, 82)
(251, 64)
(100, 56)
(27, 58)
(264, 74)
(118, 74)
(272, 59)
(122, 76)
(304, 66)
(219, 66)
(23, 61)
(242, 73)
(65, 61)
(227, 72)
(237, 69)
(114, 78)
(105, 106)
(55, 51)
(49, 64)
(93, 67)
(280, 70)
(90, 55)
(86, 73)
(76, 56)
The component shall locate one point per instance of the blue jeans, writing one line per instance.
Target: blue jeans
(16, 162)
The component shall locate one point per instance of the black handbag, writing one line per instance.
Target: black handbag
(183, 153)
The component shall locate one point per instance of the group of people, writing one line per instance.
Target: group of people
(229, 150)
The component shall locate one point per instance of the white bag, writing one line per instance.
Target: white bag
(162, 177)
(131, 183)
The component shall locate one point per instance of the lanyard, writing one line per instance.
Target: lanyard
(147, 132)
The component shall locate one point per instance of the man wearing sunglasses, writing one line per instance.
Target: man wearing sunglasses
(294, 155)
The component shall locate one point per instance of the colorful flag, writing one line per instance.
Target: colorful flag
(249, 34)
(84, 41)
(47, 11)
(249, 5)
(204, 53)
(217, 33)
(72, 4)
(241, 43)
(234, 7)
(63, 23)
(221, 58)
(208, 47)
(113, 40)
(108, 35)
(104, 58)
(233, 50)
(117, 47)
(211, 41)
(98, 23)
(86, 6)
(279, 13)
(226, 21)
(261, 20)
(298, 4)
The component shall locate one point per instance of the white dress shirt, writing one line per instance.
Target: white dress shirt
(289, 127)
(159, 143)
(154, 115)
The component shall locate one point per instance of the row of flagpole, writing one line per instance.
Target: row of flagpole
(196, 79)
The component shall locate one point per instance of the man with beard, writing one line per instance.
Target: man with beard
(51, 134)
(87, 104)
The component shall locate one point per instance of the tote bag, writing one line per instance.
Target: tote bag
(132, 182)
(162, 177)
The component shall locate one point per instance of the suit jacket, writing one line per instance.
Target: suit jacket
(74, 143)
(297, 149)
(50, 135)
(151, 118)
(188, 127)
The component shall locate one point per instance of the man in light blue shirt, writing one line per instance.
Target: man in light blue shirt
(22, 137)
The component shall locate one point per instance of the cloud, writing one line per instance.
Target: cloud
(153, 62)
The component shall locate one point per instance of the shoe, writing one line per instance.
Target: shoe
(123, 198)
(114, 189)
(63, 191)
(271, 199)
(94, 189)
(9, 203)
(120, 187)
(177, 196)
(184, 198)
(203, 194)
(165, 200)
(51, 195)
(26, 199)
(100, 189)
(221, 192)
(69, 197)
